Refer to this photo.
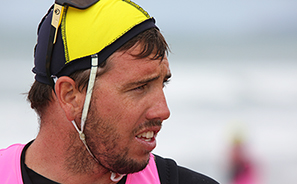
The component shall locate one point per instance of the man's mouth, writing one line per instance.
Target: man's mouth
(147, 136)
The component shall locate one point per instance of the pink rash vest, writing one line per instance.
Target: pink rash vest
(10, 168)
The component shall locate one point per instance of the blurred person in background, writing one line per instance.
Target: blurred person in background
(242, 168)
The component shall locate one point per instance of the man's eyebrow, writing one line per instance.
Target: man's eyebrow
(146, 80)
(141, 82)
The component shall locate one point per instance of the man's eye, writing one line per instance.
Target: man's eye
(140, 87)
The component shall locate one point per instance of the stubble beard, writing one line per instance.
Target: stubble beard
(103, 142)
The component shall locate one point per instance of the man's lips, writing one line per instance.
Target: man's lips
(148, 138)
(148, 133)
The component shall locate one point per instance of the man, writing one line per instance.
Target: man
(100, 68)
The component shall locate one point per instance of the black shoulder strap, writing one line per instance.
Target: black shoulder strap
(167, 170)
(170, 173)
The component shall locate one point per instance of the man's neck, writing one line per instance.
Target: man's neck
(64, 159)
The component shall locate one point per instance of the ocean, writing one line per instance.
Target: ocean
(210, 102)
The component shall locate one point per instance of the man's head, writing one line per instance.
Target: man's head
(151, 41)
(102, 28)
(127, 105)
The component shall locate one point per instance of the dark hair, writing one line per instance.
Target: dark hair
(151, 41)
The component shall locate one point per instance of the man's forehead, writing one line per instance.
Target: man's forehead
(132, 54)
(124, 66)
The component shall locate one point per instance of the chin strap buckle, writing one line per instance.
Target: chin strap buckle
(116, 177)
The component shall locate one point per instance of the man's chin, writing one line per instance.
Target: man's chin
(130, 166)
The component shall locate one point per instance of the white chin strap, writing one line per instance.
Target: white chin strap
(92, 78)
(114, 176)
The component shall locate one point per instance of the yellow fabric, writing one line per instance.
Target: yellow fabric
(87, 32)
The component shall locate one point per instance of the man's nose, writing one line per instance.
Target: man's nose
(159, 108)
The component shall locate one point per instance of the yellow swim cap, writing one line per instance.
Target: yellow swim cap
(100, 29)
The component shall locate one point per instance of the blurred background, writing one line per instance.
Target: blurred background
(233, 94)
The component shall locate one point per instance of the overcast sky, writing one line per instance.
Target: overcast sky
(186, 15)
(176, 19)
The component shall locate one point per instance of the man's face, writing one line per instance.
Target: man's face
(127, 109)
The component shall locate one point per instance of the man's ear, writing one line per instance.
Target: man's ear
(70, 98)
